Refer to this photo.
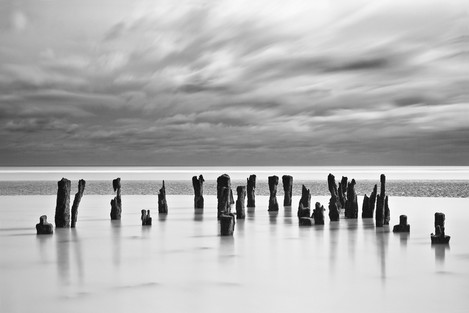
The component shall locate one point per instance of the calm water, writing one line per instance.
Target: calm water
(181, 264)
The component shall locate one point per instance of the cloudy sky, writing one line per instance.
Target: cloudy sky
(234, 82)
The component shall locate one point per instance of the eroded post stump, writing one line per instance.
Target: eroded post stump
(273, 183)
(116, 203)
(62, 209)
(76, 201)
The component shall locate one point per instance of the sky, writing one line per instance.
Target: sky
(234, 82)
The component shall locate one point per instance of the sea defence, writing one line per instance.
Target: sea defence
(402, 227)
(225, 200)
(162, 203)
(273, 183)
(368, 207)
(146, 218)
(251, 191)
(116, 203)
(76, 201)
(287, 182)
(43, 227)
(439, 237)
(334, 203)
(240, 207)
(198, 185)
(351, 205)
(62, 208)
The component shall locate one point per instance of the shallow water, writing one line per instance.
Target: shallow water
(181, 264)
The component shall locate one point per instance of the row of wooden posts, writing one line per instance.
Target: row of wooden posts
(343, 198)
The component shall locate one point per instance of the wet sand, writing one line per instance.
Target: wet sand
(180, 264)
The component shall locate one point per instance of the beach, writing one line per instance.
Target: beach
(181, 264)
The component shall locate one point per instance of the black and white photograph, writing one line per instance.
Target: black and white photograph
(234, 156)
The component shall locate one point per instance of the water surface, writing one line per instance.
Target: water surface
(181, 264)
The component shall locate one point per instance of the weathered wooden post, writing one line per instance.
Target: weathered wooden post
(224, 195)
(146, 218)
(198, 184)
(318, 214)
(351, 205)
(240, 208)
(304, 208)
(287, 182)
(162, 204)
(76, 201)
(44, 228)
(343, 191)
(62, 209)
(116, 203)
(379, 217)
(368, 207)
(439, 236)
(273, 183)
(402, 227)
(334, 203)
(251, 192)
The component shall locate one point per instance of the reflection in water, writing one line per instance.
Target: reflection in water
(440, 252)
(227, 248)
(162, 217)
(287, 215)
(368, 223)
(403, 238)
(198, 215)
(333, 245)
(78, 253)
(382, 236)
(116, 233)
(251, 212)
(352, 226)
(43, 246)
(239, 227)
(62, 245)
(273, 217)
(146, 231)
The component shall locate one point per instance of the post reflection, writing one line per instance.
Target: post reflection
(198, 215)
(62, 246)
(333, 246)
(440, 252)
(116, 235)
(287, 215)
(44, 247)
(273, 217)
(78, 253)
(226, 250)
(382, 236)
(403, 238)
(251, 212)
(352, 232)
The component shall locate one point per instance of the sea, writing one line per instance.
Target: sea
(401, 180)
(271, 264)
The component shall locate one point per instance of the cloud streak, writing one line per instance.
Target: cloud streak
(227, 82)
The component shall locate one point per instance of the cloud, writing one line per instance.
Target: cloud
(216, 82)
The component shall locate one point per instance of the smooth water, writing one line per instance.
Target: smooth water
(181, 264)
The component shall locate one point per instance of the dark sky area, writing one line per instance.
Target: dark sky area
(234, 82)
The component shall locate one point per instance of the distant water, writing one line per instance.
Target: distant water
(401, 180)
(403, 188)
